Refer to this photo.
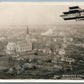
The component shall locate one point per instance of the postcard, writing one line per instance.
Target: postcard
(42, 41)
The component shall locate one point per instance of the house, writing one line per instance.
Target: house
(11, 46)
(61, 52)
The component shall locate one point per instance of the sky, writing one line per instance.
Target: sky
(35, 13)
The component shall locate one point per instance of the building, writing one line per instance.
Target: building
(20, 46)
(11, 47)
(23, 46)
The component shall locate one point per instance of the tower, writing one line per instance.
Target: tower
(27, 35)
(28, 40)
(27, 30)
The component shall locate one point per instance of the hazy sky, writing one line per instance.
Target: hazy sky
(32, 13)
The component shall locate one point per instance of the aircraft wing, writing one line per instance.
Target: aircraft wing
(72, 16)
(74, 7)
(73, 13)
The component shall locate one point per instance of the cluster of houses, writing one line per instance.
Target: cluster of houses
(44, 44)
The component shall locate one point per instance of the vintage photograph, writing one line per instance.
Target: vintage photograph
(42, 40)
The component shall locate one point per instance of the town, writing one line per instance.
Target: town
(48, 54)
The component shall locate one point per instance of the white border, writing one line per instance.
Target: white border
(40, 81)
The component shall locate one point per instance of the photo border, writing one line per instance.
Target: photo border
(37, 81)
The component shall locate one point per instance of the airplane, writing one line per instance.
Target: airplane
(74, 13)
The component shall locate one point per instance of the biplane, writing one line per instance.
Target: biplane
(74, 13)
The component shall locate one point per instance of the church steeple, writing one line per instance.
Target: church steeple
(27, 34)
(27, 30)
